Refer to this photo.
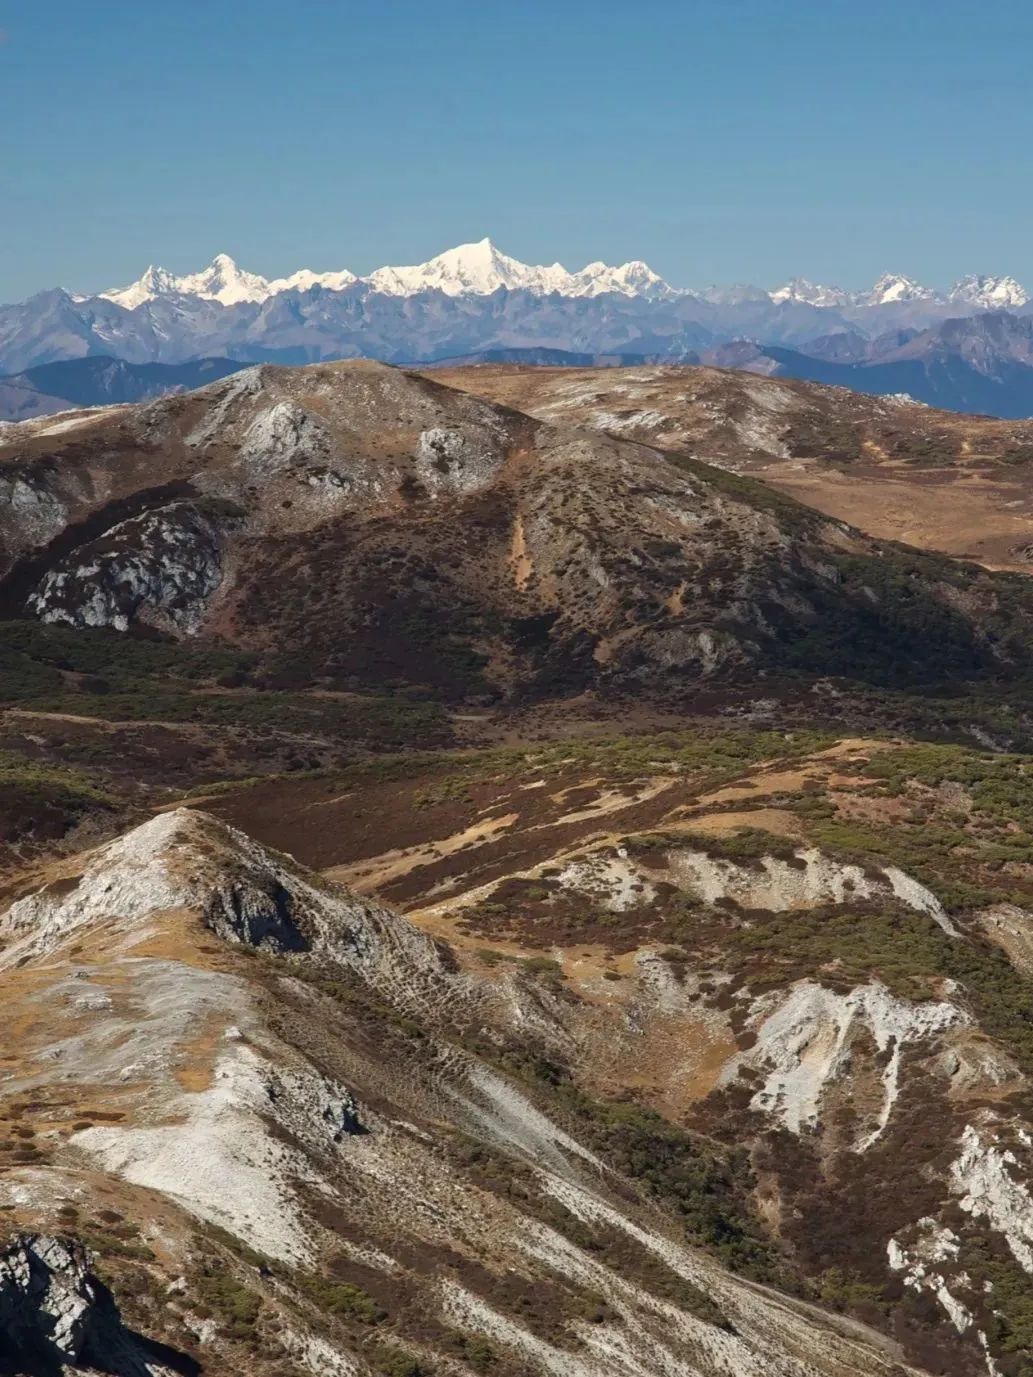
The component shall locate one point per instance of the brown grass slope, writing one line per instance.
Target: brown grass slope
(899, 471)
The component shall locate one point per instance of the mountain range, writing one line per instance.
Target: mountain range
(480, 269)
(476, 301)
(494, 885)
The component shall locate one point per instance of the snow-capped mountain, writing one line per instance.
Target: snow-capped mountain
(481, 268)
(474, 301)
(221, 281)
(989, 293)
(974, 293)
(811, 293)
(468, 270)
(892, 288)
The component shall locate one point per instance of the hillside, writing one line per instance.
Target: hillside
(625, 1091)
(935, 479)
(478, 895)
(375, 530)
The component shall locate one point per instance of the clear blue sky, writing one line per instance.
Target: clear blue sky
(721, 140)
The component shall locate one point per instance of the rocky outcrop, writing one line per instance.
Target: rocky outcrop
(161, 568)
(246, 894)
(47, 1297)
(451, 461)
(55, 1316)
(808, 880)
(810, 1037)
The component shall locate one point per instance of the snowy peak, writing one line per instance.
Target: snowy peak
(989, 293)
(630, 279)
(893, 287)
(481, 268)
(221, 281)
(476, 269)
(467, 270)
(977, 293)
(305, 279)
(155, 282)
(810, 293)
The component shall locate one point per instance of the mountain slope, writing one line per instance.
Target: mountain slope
(945, 482)
(469, 902)
(635, 1104)
(425, 538)
(351, 1200)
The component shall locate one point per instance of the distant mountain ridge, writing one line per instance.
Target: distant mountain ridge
(101, 381)
(980, 364)
(481, 268)
(476, 269)
(475, 302)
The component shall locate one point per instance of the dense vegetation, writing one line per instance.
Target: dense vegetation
(116, 677)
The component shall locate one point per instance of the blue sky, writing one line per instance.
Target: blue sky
(721, 140)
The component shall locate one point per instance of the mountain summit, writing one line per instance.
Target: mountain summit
(475, 269)
(221, 281)
(481, 268)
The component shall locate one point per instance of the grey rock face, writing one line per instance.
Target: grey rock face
(453, 461)
(55, 1316)
(256, 914)
(161, 568)
(46, 1298)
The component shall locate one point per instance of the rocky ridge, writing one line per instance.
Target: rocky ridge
(398, 1144)
(274, 1125)
(421, 535)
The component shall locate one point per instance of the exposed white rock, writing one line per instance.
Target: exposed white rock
(281, 437)
(125, 879)
(506, 1116)
(227, 392)
(762, 1321)
(984, 1177)
(629, 1349)
(773, 884)
(321, 1358)
(455, 460)
(916, 896)
(219, 1159)
(162, 568)
(36, 513)
(918, 1262)
(805, 1042)
(245, 892)
(815, 879)
(610, 877)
